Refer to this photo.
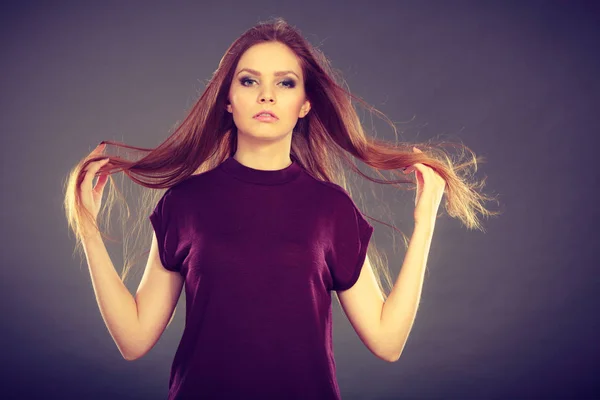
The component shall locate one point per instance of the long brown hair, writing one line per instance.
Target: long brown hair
(326, 143)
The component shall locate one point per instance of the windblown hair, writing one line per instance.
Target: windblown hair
(326, 142)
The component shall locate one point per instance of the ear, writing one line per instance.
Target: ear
(304, 109)
(229, 108)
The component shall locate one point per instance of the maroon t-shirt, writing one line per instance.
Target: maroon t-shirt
(260, 252)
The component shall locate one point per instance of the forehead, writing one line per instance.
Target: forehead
(269, 57)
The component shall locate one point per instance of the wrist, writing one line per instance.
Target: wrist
(89, 231)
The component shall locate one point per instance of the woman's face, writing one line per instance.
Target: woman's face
(257, 86)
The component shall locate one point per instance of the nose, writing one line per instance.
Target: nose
(267, 97)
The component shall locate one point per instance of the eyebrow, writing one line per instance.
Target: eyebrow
(277, 73)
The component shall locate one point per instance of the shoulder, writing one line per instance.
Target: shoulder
(333, 188)
(183, 193)
(334, 194)
(191, 183)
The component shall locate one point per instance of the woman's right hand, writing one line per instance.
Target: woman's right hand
(92, 197)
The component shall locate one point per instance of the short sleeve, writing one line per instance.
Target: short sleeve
(350, 236)
(166, 230)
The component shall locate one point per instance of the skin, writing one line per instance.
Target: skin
(267, 145)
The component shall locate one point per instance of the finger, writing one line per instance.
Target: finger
(410, 169)
(418, 167)
(99, 149)
(99, 162)
(423, 169)
(100, 183)
(418, 188)
(91, 173)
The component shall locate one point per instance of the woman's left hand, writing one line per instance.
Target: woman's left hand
(430, 189)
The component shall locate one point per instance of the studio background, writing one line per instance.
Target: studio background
(511, 313)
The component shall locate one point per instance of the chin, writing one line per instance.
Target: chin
(266, 135)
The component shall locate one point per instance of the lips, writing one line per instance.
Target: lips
(266, 112)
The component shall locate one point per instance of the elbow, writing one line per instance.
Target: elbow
(133, 349)
(390, 359)
(130, 357)
(395, 355)
(387, 356)
(390, 352)
(387, 351)
(131, 354)
(391, 348)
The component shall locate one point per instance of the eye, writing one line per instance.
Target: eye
(288, 83)
(244, 80)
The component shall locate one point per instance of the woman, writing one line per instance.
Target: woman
(254, 225)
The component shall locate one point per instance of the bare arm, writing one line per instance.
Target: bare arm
(134, 324)
(400, 308)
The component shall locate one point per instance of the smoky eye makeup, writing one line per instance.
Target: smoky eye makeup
(287, 82)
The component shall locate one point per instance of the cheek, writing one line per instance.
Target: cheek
(298, 106)
(292, 104)
(238, 98)
(234, 98)
(300, 99)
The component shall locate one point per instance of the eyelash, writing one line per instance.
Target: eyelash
(290, 82)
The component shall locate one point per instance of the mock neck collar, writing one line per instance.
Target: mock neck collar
(259, 176)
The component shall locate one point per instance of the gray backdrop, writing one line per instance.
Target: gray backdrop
(506, 314)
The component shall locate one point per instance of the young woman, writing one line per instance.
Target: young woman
(258, 223)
